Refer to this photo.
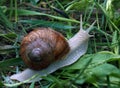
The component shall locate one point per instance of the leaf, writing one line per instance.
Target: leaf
(103, 70)
(32, 85)
(97, 59)
(100, 74)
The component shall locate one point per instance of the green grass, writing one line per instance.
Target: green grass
(98, 68)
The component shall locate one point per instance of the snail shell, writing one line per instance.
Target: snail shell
(78, 46)
(43, 46)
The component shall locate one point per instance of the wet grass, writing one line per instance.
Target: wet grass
(98, 68)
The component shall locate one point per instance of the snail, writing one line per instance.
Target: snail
(60, 51)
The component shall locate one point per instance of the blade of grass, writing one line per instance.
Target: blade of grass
(19, 83)
(16, 13)
(23, 12)
(8, 36)
(5, 20)
(103, 10)
(47, 24)
(10, 62)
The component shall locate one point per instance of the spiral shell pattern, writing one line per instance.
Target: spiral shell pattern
(43, 46)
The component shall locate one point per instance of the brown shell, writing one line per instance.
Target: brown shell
(50, 46)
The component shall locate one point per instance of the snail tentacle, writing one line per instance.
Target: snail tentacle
(89, 29)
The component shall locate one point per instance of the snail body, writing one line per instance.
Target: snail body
(43, 46)
(74, 49)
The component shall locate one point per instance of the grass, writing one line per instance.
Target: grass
(98, 68)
